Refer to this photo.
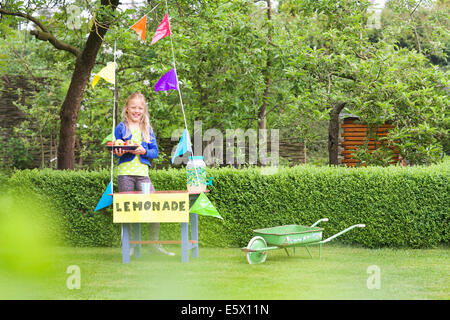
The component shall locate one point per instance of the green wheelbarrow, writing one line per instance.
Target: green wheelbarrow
(283, 237)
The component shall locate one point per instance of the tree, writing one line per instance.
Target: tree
(420, 25)
(241, 64)
(221, 52)
(411, 94)
(336, 44)
(84, 62)
(39, 93)
(344, 68)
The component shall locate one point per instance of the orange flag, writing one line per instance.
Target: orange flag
(140, 26)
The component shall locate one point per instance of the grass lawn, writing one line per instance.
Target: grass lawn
(223, 273)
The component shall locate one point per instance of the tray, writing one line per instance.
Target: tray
(125, 148)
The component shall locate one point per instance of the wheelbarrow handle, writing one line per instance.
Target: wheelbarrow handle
(342, 232)
(318, 221)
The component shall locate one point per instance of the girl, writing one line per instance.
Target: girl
(133, 164)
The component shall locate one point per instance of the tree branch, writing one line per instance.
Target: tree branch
(414, 10)
(343, 76)
(44, 34)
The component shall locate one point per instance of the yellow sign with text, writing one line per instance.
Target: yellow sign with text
(153, 207)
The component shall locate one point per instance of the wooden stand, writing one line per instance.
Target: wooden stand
(186, 244)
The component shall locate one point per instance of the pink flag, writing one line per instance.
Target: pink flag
(163, 30)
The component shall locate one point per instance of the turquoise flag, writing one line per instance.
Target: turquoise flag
(184, 145)
(106, 198)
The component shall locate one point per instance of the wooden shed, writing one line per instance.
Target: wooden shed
(355, 134)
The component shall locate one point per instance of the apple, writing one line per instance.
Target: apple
(110, 143)
(119, 142)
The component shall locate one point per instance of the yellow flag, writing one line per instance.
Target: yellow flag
(108, 73)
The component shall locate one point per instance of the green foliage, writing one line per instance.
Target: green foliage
(45, 80)
(401, 206)
(420, 25)
(317, 54)
(17, 149)
(382, 156)
(395, 203)
(26, 237)
(72, 196)
(4, 178)
(406, 91)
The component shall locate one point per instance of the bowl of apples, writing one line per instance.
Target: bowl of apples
(120, 144)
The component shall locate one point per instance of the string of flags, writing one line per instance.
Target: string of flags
(169, 81)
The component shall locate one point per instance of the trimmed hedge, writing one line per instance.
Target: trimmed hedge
(401, 206)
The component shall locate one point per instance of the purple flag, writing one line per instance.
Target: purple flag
(168, 81)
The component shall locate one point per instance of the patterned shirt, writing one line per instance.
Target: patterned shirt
(134, 167)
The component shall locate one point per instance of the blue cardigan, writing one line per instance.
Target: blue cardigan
(151, 147)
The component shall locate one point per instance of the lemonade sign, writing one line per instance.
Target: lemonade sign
(153, 207)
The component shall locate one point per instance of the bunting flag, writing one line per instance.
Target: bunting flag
(168, 81)
(108, 73)
(184, 145)
(204, 207)
(106, 199)
(163, 30)
(110, 137)
(140, 27)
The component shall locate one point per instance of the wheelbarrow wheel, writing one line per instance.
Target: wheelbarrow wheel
(260, 256)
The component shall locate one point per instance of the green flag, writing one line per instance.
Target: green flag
(110, 137)
(204, 207)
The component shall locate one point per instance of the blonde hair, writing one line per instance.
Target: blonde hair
(144, 125)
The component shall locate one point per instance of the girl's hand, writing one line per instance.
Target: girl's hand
(139, 150)
(119, 152)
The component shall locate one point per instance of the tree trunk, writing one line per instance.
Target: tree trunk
(69, 113)
(72, 103)
(333, 133)
(41, 141)
(416, 37)
(262, 120)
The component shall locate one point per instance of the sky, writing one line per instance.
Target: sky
(379, 3)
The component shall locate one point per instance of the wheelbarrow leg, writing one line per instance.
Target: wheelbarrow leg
(307, 249)
(320, 251)
(287, 252)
